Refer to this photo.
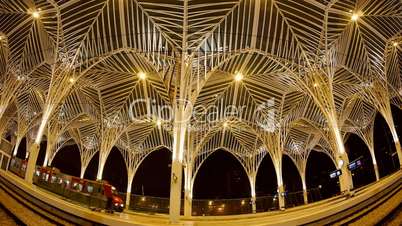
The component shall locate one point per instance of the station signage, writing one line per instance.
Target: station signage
(335, 173)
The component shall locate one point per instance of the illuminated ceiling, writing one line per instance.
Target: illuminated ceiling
(80, 65)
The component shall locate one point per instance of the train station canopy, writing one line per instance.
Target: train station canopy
(253, 77)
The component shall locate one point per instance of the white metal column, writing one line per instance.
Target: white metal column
(179, 128)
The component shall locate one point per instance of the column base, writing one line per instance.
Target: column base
(281, 198)
(305, 197)
(175, 191)
(33, 156)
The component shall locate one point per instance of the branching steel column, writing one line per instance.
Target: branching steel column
(395, 137)
(305, 195)
(375, 166)
(342, 160)
(17, 145)
(279, 179)
(128, 194)
(179, 129)
(252, 180)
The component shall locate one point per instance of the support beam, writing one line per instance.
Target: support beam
(342, 160)
(281, 197)
(46, 160)
(251, 179)
(128, 194)
(396, 141)
(34, 148)
(101, 165)
(188, 190)
(179, 127)
(305, 195)
(17, 144)
(179, 138)
(175, 191)
(281, 189)
(345, 180)
(188, 203)
(33, 155)
(50, 144)
(374, 161)
(377, 174)
(1, 159)
(82, 172)
(253, 204)
(176, 174)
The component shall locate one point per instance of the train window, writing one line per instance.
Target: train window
(67, 182)
(54, 178)
(80, 187)
(60, 181)
(90, 189)
(37, 173)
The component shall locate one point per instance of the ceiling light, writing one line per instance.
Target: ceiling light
(158, 122)
(71, 80)
(35, 14)
(142, 75)
(315, 84)
(355, 16)
(340, 163)
(395, 44)
(225, 124)
(238, 76)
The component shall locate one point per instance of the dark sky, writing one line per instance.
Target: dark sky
(222, 176)
(317, 173)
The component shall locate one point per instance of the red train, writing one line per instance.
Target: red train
(93, 194)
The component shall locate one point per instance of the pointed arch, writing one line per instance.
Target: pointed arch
(115, 171)
(22, 148)
(155, 165)
(64, 158)
(266, 182)
(384, 147)
(319, 165)
(92, 168)
(237, 176)
(356, 148)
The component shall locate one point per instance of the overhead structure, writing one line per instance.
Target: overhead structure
(253, 77)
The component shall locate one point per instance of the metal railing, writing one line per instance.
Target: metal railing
(209, 207)
(293, 199)
(314, 195)
(218, 207)
(267, 203)
(200, 207)
(149, 204)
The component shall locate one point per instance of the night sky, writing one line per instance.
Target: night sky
(222, 176)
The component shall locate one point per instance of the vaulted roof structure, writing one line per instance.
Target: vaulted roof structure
(256, 77)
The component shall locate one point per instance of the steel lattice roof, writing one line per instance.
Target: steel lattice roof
(81, 60)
